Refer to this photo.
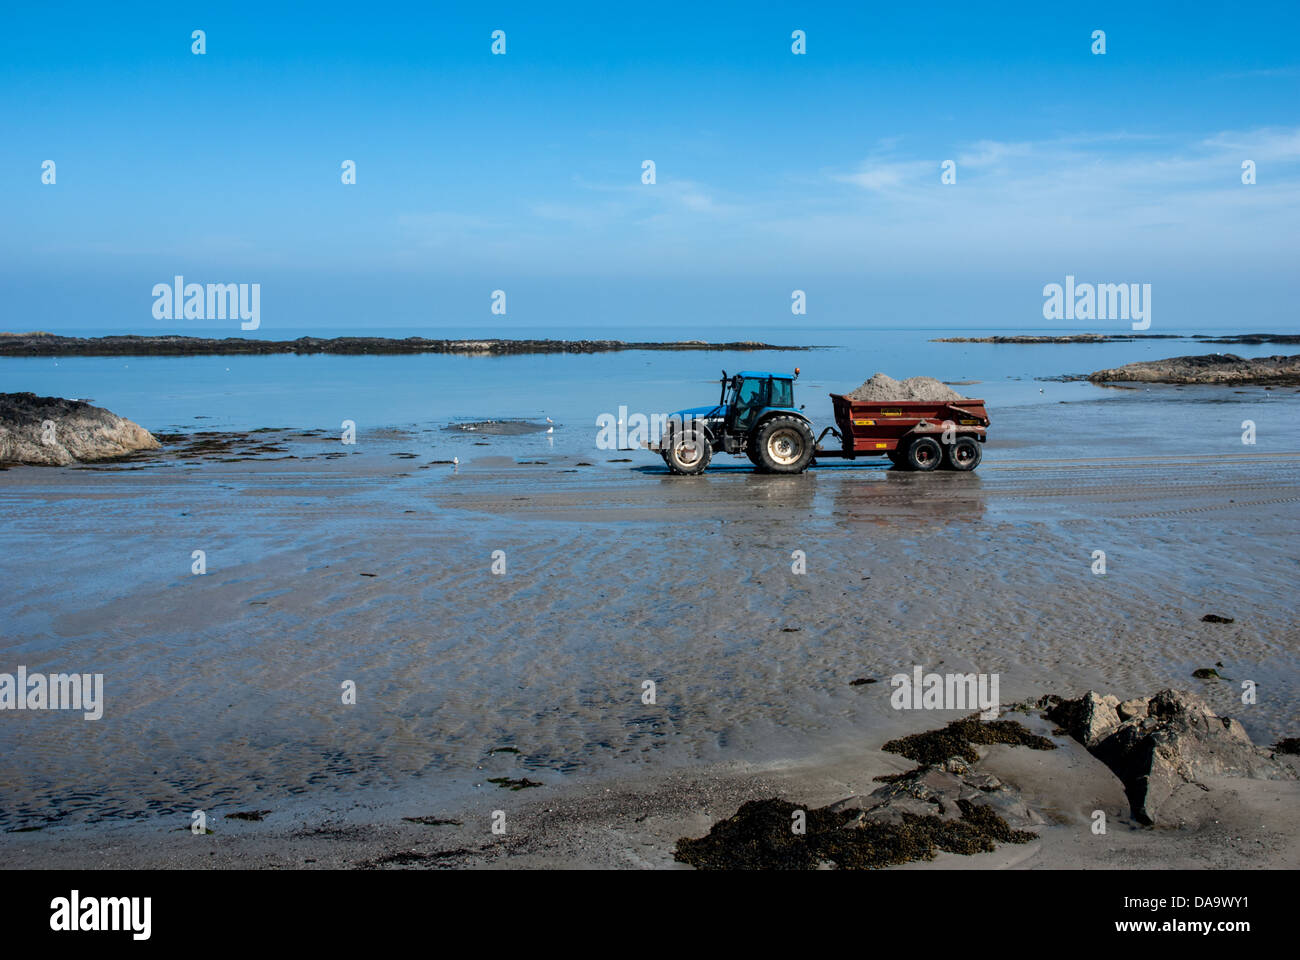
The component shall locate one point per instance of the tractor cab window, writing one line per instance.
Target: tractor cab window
(782, 394)
(749, 393)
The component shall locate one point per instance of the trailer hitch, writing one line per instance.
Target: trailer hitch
(838, 436)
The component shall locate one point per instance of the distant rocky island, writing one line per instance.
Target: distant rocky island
(1214, 368)
(1123, 337)
(38, 344)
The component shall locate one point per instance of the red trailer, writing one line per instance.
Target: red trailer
(919, 434)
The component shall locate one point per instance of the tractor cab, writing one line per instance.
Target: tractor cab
(749, 395)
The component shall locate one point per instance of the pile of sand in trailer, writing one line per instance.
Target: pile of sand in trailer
(884, 387)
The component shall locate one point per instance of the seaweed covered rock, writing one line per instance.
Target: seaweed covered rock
(761, 836)
(958, 738)
(937, 792)
(51, 431)
(941, 805)
(1172, 740)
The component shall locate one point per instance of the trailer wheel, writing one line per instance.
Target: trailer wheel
(688, 452)
(784, 445)
(964, 454)
(924, 453)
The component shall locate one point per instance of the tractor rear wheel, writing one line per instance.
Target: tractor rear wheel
(688, 452)
(964, 454)
(783, 445)
(924, 453)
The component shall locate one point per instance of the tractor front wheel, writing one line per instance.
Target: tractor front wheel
(688, 452)
(783, 445)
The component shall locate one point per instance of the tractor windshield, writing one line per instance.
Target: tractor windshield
(744, 392)
(749, 392)
(759, 392)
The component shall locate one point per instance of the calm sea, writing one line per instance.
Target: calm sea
(167, 393)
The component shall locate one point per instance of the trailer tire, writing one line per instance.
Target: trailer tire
(924, 453)
(784, 445)
(688, 453)
(964, 454)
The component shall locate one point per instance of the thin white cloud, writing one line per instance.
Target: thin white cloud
(990, 153)
(1262, 72)
(879, 176)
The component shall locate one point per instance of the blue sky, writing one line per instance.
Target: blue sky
(774, 171)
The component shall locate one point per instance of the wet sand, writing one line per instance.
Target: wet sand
(375, 567)
(634, 823)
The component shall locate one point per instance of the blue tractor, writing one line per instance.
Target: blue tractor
(755, 416)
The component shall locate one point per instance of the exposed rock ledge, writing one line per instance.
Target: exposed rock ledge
(51, 431)
(50, 345)
(1224, 368)
(1062, 338)
(1124, 338)
(1157, 744)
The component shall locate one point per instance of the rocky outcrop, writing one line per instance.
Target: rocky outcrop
(1252, 338)
(1062, 338)
(51, 431)
(49, 345)
(1158, 744)
(1214, 368)
(939, 791)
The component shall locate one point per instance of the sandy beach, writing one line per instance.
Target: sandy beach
(374, 566)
